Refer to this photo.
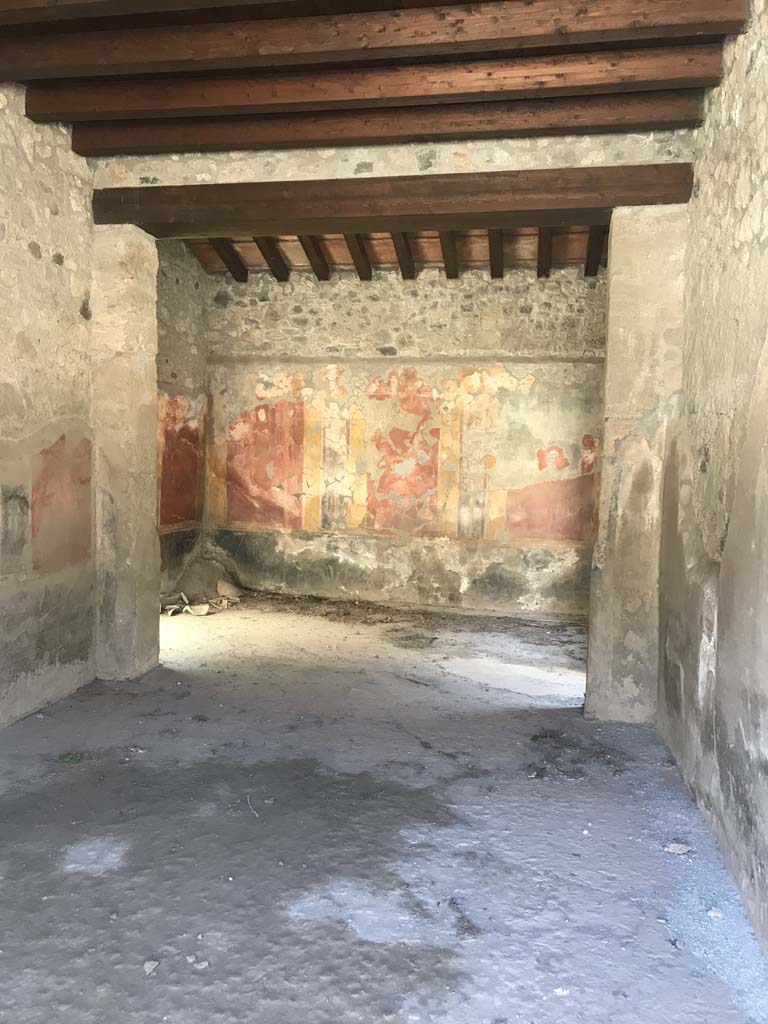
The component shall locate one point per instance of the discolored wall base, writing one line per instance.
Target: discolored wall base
(550, 580)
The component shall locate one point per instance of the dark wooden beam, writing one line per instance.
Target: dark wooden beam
(450, 256)
(404, 255)
(57, 15)
(316, 257)
(595, 248)
(633, 112)
(275, 261)
(496, 252)
(231, 259)
(544, 260)
(503, 26)
(360, 258)
(625, 71)
(443, 202)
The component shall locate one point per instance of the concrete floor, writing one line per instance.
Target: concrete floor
(312, 814)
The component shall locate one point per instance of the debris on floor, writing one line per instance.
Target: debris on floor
(227, 596)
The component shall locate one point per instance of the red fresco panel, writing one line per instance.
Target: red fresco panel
(265, 463)
(553, 509)
(182, 457)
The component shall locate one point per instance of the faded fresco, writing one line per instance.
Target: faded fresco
(60, 505)
(498, 453)
(181, 459)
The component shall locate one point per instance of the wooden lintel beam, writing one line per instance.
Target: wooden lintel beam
(360, 258)
(620, 113)
(274, 258)
(443, 202)
(231, 259)
(544, 260)
(413, 34)
(404, 255)
(450, 256)
(316, 257)
(496, 252)
(595, 247)
(627, 71)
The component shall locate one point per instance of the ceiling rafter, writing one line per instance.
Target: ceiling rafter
(274, 258)
(544, 257)
(586, 114)
(404, 255)
(501, 26)
(248, 94)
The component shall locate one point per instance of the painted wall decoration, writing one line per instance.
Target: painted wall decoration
(181, 459)
(60, 504)
(496, 453)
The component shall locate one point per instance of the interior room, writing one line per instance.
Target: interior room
(383, 490)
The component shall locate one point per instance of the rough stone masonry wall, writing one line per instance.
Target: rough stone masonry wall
(428, 442)
(182, 291)
(47, 570)
(714, 566)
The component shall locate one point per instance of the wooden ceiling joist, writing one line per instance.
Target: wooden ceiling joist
(624, 71)
(598, 235)
(443, 202)
(267, 246)
(404, 255)
(544, 258)
(496, 252)
(360, 258)
(414, 34)
(630, 112)
(450, 256)
(43, 14)
(316, 257)
(231, 259)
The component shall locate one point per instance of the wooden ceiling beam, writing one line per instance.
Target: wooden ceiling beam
(43, 12)
(544, 258)
(501, 26)
(316, 257)
(450, 256)
(496, 252)
(443, 202)
(404, 255)
(595, 248)
(360, 258)
(55, 15)
(626, 71)
(231, 259)
(621, 113)
(274, 258)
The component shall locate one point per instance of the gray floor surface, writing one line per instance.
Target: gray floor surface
(318, 814)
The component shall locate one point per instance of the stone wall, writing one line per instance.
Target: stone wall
(714, 569)
(183, 290)
(47, 569)
(426, 442)
(607, 150)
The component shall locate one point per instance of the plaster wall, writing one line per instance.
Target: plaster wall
(47, 565)
(713, 701)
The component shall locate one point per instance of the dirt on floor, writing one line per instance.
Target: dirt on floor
(330, 814)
